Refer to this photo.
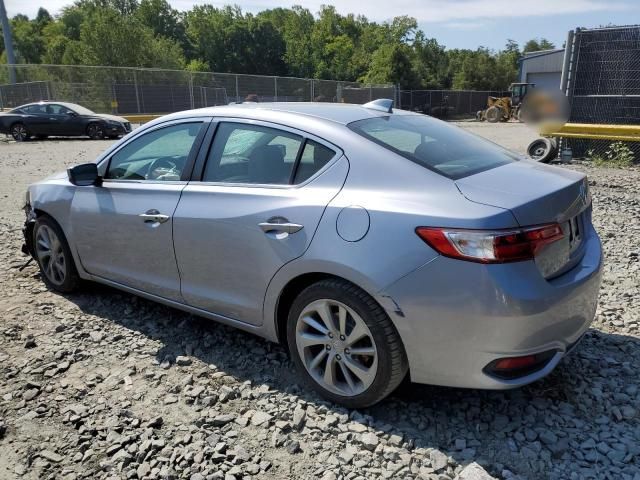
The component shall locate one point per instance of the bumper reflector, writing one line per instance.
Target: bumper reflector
(509, 368)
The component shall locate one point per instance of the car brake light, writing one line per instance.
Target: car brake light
(490, 246)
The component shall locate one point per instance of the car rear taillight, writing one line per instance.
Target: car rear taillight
(490, 246)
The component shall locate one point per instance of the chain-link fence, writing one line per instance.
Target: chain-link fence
(603, 85)
(447, 103)
(124, 90)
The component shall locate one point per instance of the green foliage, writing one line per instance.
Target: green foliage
(617, 155)
(280, 41)
(197, 65)
(535, 45)
(231, 41)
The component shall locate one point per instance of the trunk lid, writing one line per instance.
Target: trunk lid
(537, 194)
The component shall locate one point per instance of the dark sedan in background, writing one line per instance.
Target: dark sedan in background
(45, 119)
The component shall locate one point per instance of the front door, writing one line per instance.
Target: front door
(123, 228)
(67, 122)
(262, 194)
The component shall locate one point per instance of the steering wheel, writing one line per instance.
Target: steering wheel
(163, 168)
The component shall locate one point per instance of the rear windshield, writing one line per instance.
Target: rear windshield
(434, 144)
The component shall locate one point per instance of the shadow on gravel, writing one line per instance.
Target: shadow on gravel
(547, 429)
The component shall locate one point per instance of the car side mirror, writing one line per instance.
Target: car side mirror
(72, 114)
(84, 175)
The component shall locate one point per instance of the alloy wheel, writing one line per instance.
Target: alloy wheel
(95, 132)
(51, 255)
(336, 347)
(19, 133)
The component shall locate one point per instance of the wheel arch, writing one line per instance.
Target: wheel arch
(295, 285)
(61, 219)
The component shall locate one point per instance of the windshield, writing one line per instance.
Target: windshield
(79, 109)
(434, 144)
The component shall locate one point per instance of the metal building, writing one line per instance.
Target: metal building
(544, 68)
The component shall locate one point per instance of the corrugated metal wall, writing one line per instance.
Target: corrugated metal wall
(547, 62)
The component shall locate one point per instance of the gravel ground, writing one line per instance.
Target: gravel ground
(102, 384)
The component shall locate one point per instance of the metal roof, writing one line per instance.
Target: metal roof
(541, 53)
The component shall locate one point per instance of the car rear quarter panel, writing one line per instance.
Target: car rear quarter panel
(398, 196)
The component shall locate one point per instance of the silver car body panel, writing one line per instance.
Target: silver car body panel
(114, 243)
(454, 317)
(238, 259)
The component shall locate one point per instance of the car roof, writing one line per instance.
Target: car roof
(49, 102)
(343, 113)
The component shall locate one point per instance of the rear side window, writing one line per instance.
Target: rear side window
(436, 145)
(245, 153)
(314, 157)
(37, 109)
(255, 154)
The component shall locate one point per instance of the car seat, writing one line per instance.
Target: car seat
(266, 165)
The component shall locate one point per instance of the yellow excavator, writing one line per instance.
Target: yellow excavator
(503, 109)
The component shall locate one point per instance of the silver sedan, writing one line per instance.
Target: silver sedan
(374, 243)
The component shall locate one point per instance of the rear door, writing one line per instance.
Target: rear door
(254, 206)
(37, 121)
(123, 228)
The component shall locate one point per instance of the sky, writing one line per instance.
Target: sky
(454, 23)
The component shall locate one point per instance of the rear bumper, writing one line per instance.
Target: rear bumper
(457, 317)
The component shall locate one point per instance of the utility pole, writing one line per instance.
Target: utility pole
(8, 43)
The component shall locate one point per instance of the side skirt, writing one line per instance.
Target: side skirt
(256, 330)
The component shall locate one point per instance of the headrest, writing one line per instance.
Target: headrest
(266, 165)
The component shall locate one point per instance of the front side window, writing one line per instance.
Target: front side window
(56, 109)
(436, 145)
(159, 155)
(245, 153)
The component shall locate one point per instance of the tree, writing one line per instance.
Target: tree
(107, 38)
(294, 25)
(392, 63)
(535, 45)
(507, 65)
(431, 62)
(161, 18)
(27, 40)
(278, 41)
(230, 41)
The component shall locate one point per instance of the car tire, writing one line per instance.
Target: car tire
(19, 132)
(493, 114)
(95, 131)
(543, 150)
(327, 360)
(53, 255)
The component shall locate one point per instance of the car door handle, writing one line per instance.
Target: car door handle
(280, 227)
(153, 216)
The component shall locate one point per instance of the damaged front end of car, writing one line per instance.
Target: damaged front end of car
(28, 248)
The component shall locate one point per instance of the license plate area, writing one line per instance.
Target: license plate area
(574, 231)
